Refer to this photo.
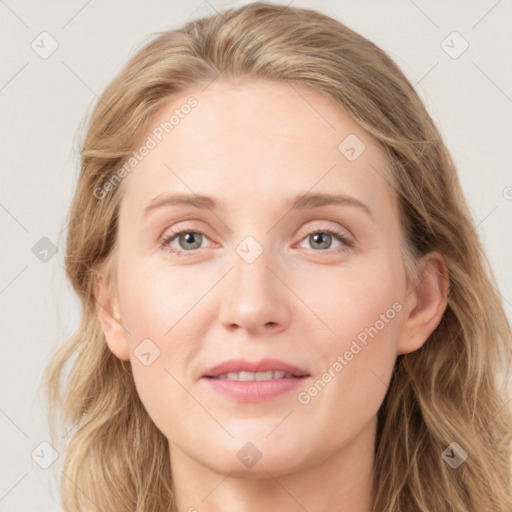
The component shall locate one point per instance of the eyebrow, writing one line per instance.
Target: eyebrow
(301, 202)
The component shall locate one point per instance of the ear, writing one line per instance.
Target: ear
(425, 303)
(107, 310)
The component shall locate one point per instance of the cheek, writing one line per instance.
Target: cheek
(159, 367)
(157, 298)
(365, 314)
(363, 307)
(158, 307)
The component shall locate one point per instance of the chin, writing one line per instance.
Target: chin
(256, 459)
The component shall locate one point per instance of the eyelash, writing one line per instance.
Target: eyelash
(165, 240)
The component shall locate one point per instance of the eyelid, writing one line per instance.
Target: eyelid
(319, 225)
(184, 226)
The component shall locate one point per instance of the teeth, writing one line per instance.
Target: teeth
(250, 376)
(265, 376)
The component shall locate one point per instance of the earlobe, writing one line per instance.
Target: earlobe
(425, 303)
(107, 310)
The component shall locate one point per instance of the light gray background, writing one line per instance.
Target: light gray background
(44, 101)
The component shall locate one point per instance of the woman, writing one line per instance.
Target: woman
(332, 339)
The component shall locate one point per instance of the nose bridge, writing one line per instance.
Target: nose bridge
(253, 296)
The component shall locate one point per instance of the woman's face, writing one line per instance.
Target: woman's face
(262, 275)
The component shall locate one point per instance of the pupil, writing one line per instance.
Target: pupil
(189, 238)
(320, 236)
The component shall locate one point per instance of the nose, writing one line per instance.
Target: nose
(254, 297)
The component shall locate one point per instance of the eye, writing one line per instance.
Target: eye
(189, 239)
(322, 239)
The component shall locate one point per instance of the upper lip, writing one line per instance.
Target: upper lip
(263, 365)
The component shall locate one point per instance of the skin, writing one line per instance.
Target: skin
(252, 145)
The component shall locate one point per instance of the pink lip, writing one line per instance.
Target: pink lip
(254, 391)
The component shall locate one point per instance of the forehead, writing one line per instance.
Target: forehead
(256, 138)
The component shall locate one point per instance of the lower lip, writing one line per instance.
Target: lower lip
(254, 390)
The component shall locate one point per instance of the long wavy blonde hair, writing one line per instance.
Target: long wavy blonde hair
(453, 389)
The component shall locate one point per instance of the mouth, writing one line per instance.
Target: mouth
(247, 381)
(264, 369)
(258, 376)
